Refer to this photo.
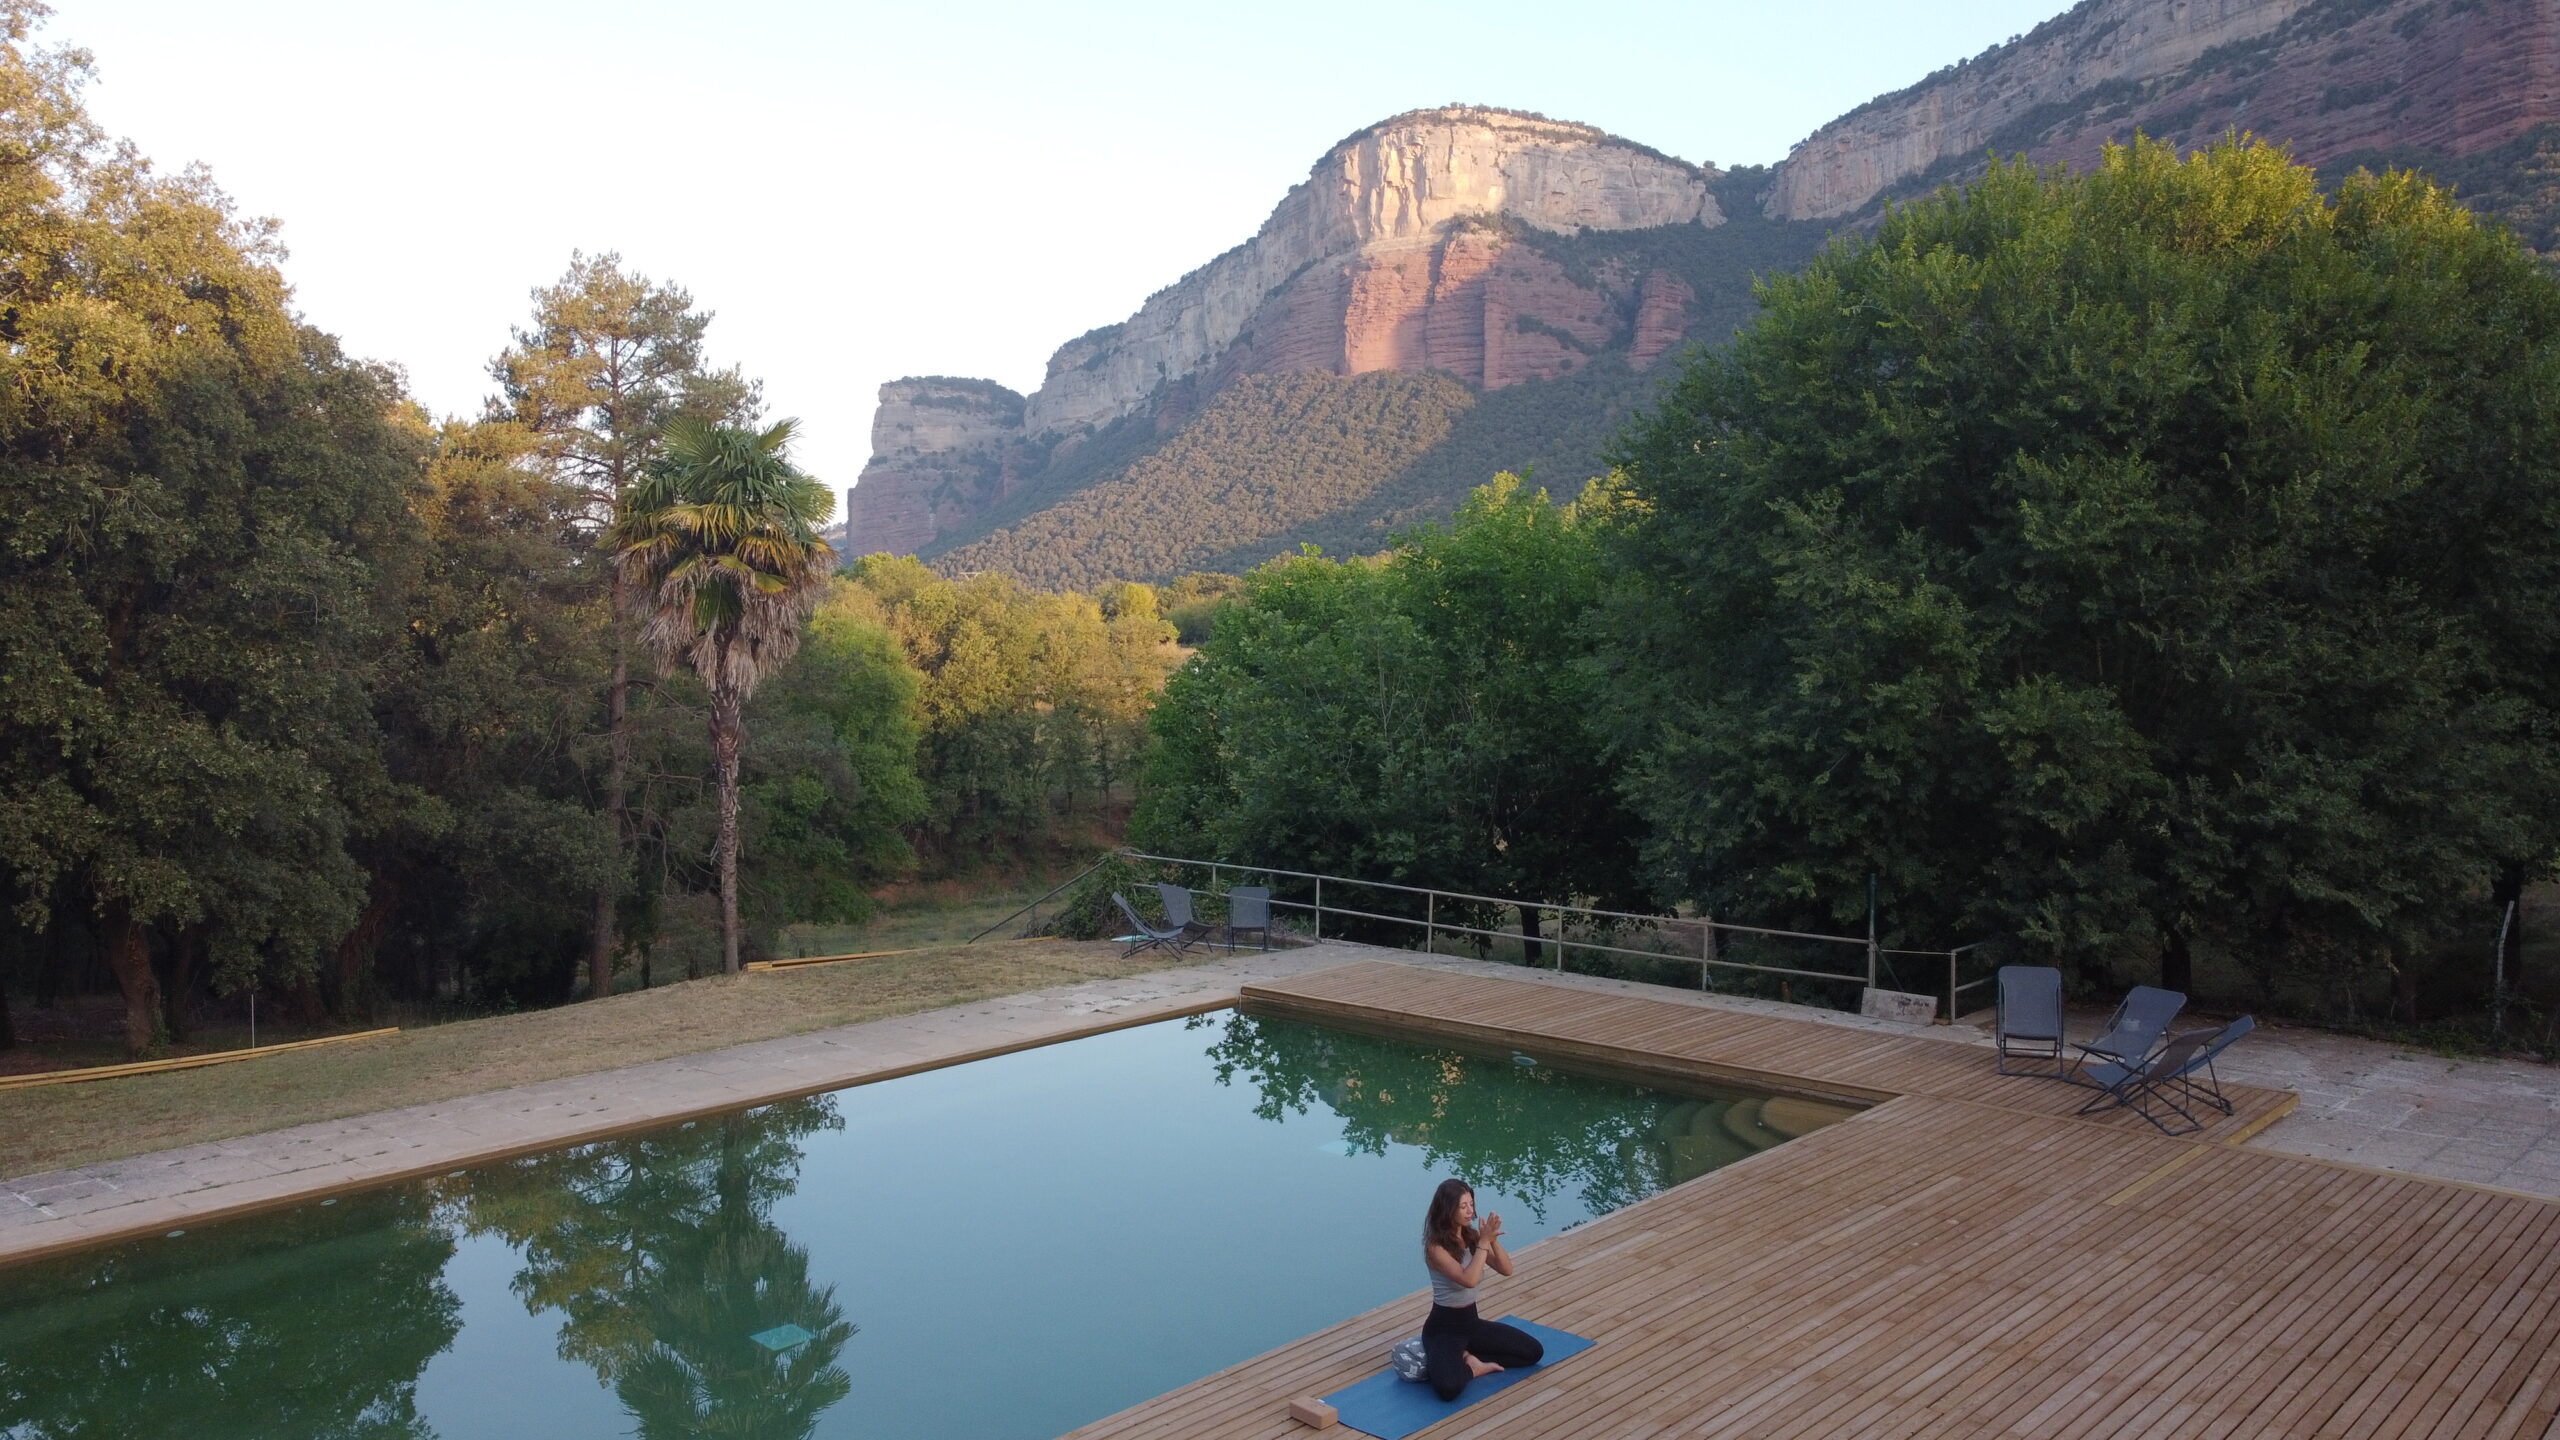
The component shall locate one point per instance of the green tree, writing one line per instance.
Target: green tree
(828, 783)
(484, 706)
(721, 537)
(1418, 718)
(208, 511)
(1028, 701)
(610, 359)
(2122, 561)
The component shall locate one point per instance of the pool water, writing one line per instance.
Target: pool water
(1005, 1249)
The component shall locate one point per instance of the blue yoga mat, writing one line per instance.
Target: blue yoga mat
(1391, 1408)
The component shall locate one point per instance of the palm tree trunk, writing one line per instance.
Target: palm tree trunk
(728, 734)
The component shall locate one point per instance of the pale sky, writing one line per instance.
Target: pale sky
(865, 191)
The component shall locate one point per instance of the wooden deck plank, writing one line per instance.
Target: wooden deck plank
(1964, 1259)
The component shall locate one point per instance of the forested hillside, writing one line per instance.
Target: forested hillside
(1280, 461)
(1275, 456)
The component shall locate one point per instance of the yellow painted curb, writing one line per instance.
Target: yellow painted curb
(757, 967)
(186, 1062)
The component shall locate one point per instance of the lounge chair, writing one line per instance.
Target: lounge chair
(1177, 912)
(2132, 1033)
(2030, 1018)
(2209, 1091)
(1149, 937)
(2158, 1082)
(1249, 908)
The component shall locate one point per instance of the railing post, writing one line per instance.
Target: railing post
(1430, 922)
(1950, 1017)
(1873, 955)
(1319, 907)
(1706, 952)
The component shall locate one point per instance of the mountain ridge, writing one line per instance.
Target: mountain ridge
(1531, 260)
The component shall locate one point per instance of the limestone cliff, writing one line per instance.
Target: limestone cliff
(2328, 77)
(1544, 266)
(1365, 229)
(1400, 251)
(1959, 111)
(2439, 78)
(939, 448)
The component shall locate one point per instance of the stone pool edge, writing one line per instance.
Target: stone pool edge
(415, 1142)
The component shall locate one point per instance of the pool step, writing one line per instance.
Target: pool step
(1743, 1123)
(1791, 1117)
(1705, 1144)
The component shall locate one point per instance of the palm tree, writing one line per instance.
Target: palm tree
(719, 542)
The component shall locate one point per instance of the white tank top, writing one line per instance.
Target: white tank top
(1445, 1291)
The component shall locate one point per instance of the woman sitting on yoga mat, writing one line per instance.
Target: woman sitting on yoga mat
(1457, 1345)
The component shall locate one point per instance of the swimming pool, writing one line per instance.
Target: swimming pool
(1002, 1249)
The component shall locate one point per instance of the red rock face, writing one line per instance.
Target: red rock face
(1662, 317)
(1489, 310)
(939, 452)
(2420, 73)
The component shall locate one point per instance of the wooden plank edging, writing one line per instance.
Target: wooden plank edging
(759, 967)
(183, 1062)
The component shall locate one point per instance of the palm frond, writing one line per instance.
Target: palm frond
(721, 535)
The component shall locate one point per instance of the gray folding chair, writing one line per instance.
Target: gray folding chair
(2158, 1082)
(1249, 908)
(1145, 936)
(1177, 912)
(2030, 1019)
(2132, 1033)
(2209, 1090)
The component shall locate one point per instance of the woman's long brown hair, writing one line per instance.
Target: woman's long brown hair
(1440, 1223)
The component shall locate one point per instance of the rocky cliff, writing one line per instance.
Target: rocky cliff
(1542, 267)
(2331, 78)
(939, 448)
(1402, 250)
(1964, 109)
(2443, 78)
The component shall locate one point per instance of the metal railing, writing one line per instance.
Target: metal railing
(1035, 905)
(1709, 958)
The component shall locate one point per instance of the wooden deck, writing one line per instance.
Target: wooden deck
(1960, 1260)
(1767, 1051)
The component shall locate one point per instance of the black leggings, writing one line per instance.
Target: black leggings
(1454, 1332)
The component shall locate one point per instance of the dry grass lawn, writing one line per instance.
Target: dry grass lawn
(66, 1125)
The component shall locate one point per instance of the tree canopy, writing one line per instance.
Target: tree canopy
(1418, 718)
(2122, 561)
(207, 503)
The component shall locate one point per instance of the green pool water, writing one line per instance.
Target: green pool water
(1002, 1250)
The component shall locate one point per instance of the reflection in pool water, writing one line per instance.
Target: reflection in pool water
(1027, 1243)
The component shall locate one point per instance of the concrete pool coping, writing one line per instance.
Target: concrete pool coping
(2482, 1122)
(150, 1194)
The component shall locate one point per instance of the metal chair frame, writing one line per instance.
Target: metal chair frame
(1249, 908)
(1176, 938)
(2166, 1077)
(2133, 1032)
(2030, 1044)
